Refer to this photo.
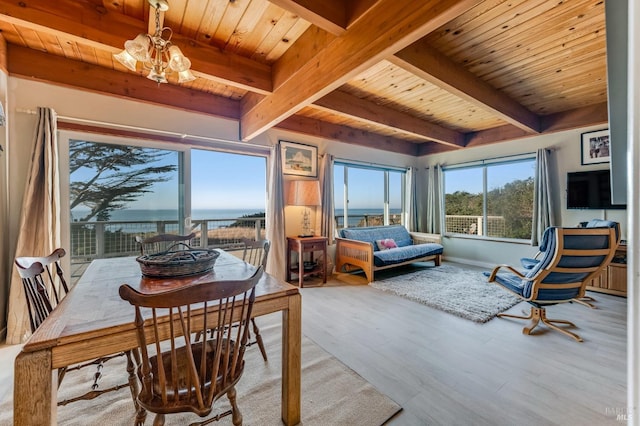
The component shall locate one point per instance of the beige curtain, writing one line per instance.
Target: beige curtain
(40, 230)
(276, 263)
(435, 200)
(328, 220)
(411, 198)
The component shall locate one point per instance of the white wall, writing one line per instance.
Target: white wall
(566, 146)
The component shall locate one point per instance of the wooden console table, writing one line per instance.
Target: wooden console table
(310, 245)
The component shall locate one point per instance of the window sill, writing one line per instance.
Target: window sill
(492, 239)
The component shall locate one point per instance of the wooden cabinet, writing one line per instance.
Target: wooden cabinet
(613, 279)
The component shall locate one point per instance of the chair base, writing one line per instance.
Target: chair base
(540, 314)
(586, 301)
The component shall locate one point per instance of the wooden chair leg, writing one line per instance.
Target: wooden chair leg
(133, 379)
(236, 416)
(256, 331)
(158, 420)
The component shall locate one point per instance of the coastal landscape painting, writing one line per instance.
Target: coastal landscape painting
(299, 159)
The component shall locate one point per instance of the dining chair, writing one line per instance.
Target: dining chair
(256, 252)
(45, 287)
(181, 368)
(571, 258)
(163, 242)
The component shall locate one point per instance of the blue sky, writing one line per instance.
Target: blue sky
(470, 179)
(219, 181)
(231, 181)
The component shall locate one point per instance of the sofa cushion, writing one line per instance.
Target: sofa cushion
(405, 253)
(386, 244)
(371, 234)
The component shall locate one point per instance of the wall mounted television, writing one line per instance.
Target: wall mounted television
(590, 190)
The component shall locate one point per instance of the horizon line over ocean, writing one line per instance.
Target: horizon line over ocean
(133, 215)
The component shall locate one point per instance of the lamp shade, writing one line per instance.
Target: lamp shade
(303, 193)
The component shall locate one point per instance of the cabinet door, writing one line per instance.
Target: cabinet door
(600, 281)
(617, 277)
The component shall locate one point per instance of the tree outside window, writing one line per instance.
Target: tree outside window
(491, 200)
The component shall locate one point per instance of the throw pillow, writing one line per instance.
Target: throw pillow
(386, 244)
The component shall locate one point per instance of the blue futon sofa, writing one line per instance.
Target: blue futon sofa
(380, 247)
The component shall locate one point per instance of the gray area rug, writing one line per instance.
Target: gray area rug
(332, 393)
(451, 289)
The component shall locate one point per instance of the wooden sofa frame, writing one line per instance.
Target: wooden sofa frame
(354, 254)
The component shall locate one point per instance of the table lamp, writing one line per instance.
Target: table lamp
(304, 193)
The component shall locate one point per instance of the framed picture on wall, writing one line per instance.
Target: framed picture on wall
(595, 147)
(299, 159)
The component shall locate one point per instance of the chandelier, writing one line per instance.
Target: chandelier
(156, 52)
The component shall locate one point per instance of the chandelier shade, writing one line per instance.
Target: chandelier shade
(156, 52)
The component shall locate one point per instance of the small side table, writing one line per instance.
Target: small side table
(309, 245)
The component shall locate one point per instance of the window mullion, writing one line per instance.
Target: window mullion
(484, 201)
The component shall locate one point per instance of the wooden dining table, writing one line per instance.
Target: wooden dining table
(93, 321)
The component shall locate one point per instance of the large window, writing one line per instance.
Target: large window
(492, 199)
(367, 195)
(119, 189)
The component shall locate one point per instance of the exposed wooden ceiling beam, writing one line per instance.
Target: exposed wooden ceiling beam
(90, 25)
(345, 104)
(330, 15)
(387, 27)
(429, 64)
(41, 66)
(430, 148)
(591, 115)
(333, 16)
(336, 132)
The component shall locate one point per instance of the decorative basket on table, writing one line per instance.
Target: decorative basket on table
(177, 263)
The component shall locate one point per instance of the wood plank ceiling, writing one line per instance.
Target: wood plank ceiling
(416, 77)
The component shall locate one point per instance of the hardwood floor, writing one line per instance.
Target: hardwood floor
(444, 370)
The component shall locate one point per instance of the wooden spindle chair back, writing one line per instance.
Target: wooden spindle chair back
(256, 253)
(163, 242)
(45, 286)
(180, 372)
(43, 283)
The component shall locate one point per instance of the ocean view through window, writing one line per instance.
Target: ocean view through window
(367, 195)
(118, 192)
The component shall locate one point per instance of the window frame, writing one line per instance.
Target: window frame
(484, 165)
(346, 164)
(184, 151)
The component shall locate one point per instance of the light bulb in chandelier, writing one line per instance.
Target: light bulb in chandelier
(139, 47)
(157, 76)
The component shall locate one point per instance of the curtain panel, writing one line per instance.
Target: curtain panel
(327, 221)
(544, 210)
(40, 231)
(275, 215)
(435, 200)
(412, 220)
